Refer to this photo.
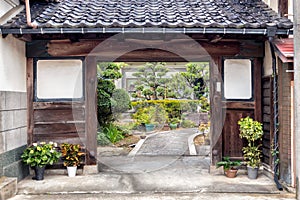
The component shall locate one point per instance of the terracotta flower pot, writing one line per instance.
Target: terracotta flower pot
(231, 173)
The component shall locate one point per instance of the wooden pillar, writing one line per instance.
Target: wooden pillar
(216, 109)
(257, 88)
(29, 82)
(90, 110)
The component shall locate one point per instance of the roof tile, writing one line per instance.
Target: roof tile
(152, 13)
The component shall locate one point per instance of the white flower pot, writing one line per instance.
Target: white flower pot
(72, 171)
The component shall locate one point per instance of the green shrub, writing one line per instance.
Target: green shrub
(175, 107)
(150, 115)
(120, 101)
(113, 133)
(102, 140)
(187, 124)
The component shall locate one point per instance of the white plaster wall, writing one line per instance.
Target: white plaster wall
(4, 7)
(12, 64)
(267, 60)
(59, 79)
(273, 4)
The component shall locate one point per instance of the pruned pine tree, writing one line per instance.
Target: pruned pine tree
(151, 80)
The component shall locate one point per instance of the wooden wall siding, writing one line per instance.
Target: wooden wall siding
(232, 143)
(59, 122)
(284, 99)
(268, 115)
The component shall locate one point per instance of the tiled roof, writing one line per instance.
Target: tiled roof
(152, 13)
(285, 47)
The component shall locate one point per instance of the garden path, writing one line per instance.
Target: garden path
(174, 142)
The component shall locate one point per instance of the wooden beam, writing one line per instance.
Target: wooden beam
(90, 110)
(113, 49)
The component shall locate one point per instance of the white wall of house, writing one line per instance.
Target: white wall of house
(12, 64)
(13, 104)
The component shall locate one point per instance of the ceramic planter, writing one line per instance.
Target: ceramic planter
(39, 173)
(252, 172)
(231, 173)
(72, 171)
(149, 127)
(173, 126)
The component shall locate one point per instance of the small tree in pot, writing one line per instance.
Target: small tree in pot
(252, 131)
(71, 155)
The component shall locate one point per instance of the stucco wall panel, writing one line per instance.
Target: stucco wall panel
(12, 64)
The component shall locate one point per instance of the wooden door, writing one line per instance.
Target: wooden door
(228, 109)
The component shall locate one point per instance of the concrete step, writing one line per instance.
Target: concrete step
(8, 187)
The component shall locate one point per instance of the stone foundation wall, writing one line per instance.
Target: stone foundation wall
(13, 133)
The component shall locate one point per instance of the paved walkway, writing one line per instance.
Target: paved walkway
(157, 151)
(167, 143)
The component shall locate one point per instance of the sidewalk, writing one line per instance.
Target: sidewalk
(150, 172)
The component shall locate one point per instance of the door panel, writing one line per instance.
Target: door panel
(232, 143)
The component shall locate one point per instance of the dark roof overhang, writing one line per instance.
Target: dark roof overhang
(262, 31)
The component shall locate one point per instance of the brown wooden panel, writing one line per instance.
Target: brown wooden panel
(239, 105)
(266, 110)
(232, 143)
(58, 128)
(58, 115)
(266, 93)
(266, 127)
(267, 119)
(58, 105)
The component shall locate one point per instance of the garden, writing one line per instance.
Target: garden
(160, 101)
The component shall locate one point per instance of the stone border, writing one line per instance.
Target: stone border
(191, 144)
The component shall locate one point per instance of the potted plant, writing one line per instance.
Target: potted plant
(252, 131)
(71, 155)
(230, 167)
(174, 123)
(38, 155)
(150, 116)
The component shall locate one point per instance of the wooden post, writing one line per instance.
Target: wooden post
(90, 110)
(29, 82)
